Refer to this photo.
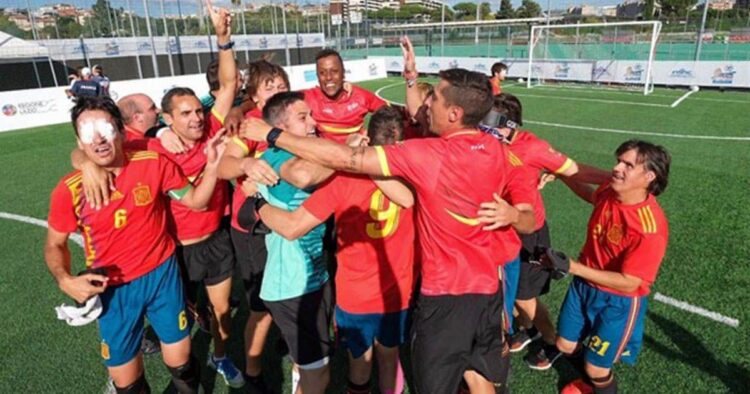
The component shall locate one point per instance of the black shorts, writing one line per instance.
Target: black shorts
(210, 260)
(304, 323)
(453, 334)
(533, 280)
(251, 261)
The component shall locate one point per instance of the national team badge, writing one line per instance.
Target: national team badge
(105, 351)
(614, 234)
(142, 195)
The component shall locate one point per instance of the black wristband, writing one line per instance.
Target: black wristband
(259, 202)
(226, 46)
(272, 136)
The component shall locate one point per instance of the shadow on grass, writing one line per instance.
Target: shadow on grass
(693, 352)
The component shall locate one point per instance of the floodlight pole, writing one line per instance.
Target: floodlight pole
(151, 37)
(166, 34)
(476, 31)
(442, 30)
(699, 43)
(132, 31)
(286, 37)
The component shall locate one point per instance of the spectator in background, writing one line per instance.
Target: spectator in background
(72, 78)
(101, 79)
(86, 87)
(499, 71)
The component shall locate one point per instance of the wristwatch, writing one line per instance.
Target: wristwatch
(272, 136)
(226, 46)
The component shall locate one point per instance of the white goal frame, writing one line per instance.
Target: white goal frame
(648, 85)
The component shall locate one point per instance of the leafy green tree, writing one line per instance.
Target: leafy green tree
(528, 9)
(506, 10)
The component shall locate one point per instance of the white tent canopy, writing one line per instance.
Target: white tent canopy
(16, 48)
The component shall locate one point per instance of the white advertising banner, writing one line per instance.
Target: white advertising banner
(132, 46)
(47, 106)
(726, 74)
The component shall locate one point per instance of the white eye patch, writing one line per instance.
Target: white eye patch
(87, 130)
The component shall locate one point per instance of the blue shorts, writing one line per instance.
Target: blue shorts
(358, 331)
(158, 296)
(511, 273)
(614, 324)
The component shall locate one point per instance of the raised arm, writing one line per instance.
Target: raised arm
(57, 256)
(97, 181)
(234, 163)
(413, 99)
(222, 22)
(582, 190)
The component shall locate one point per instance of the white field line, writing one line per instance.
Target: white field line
(613, 91)
(37, 222)
(593, 100)
(603, 130)
(636, 132)
(682, 98)
(697, 310)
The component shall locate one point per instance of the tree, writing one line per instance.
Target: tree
(648, 10)
(528, 9)
(10, 27)
(506, 10)
(468, 11)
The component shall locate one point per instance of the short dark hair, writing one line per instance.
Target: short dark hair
(329, 52)
(275, 108)
(469, 90)
(386, 126)
(498, 67)
(510, 106)
(100, 103)
(166, 101)
(261, 71)
(654, 157)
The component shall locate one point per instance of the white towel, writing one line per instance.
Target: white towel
(80, 316)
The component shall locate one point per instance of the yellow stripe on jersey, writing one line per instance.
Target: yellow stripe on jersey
(463, 219)
(340, 130)
(74, 180)
(514, 160)
(239, 142)
(564, 167)
(217, 115)
(143, 155)
(383, 161)
(648, 222)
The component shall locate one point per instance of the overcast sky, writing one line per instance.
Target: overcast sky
(188, 6)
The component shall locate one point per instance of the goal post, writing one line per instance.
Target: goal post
(615, 53)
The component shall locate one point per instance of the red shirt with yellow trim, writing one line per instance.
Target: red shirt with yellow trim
(452, 175)
(134, 139)
(530, 150)
(630, 239)
(249, 148)
(129, 236)
(190, 224)
(343, 116)
(375, 244)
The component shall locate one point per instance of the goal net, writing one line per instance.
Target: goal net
(616, 54)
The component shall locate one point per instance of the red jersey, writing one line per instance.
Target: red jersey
(346, 115)
(530, 150)
(249, 147)
(129, 236)
(134, 139)
(496, 88)
(452, 175)
(630, 239)
(190, 224)
(375, 244)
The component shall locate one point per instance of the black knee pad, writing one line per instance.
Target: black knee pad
(186, 378)
(140, 386)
